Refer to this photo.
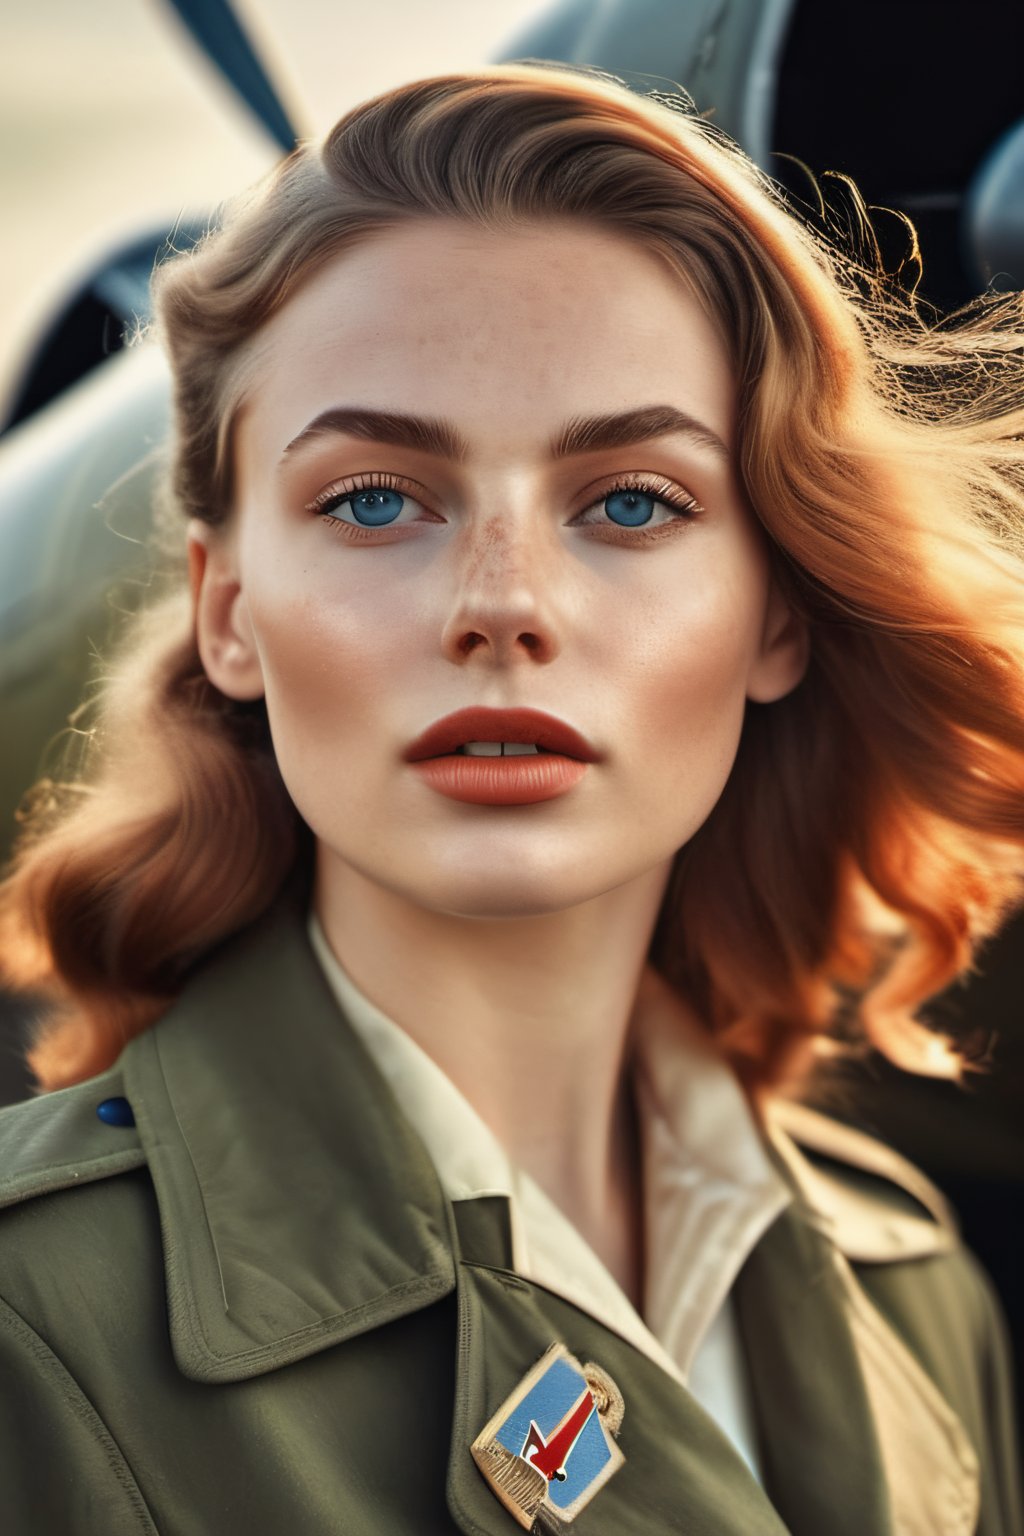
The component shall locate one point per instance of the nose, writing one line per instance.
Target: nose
(503, 608)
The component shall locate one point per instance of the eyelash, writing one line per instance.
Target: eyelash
(344, 489)
(683, 506)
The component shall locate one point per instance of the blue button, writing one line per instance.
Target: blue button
(115, 1112)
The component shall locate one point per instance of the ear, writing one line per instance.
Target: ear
(227, 646)
(784, 652)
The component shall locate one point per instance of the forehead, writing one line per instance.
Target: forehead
(541, 321)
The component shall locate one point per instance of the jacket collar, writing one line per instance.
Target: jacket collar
(873, 1205)
(297, 1207)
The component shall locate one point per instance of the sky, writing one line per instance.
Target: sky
(111, 122)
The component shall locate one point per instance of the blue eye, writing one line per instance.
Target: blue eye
(375, 508)
(630, 509)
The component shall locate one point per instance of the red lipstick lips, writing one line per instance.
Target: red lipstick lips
(556, 767)
(481, 724)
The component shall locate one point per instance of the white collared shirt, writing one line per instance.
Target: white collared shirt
(710, 1193)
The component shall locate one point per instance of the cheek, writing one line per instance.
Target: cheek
(324, 655)
(690, 691)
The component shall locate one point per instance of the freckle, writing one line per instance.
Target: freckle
(495, 532)
(494, 536)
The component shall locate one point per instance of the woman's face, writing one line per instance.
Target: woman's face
(424, 524)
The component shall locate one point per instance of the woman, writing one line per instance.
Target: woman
(601, 653)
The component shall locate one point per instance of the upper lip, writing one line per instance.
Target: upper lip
(482, 724)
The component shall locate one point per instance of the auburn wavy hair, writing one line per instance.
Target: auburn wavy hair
(870, 832)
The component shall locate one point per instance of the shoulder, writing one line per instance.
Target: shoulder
(79, 1225)
(876, 1206)
(82, 1315)
(73, 1136)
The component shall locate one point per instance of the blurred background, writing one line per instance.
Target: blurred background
(116, 129)
(112, 119)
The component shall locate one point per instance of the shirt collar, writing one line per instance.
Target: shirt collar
(711, 1190)
(469, 1159)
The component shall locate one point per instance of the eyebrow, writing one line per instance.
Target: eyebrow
(581, 434)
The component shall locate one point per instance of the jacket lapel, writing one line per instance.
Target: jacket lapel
(822, 1460)
(680, 1473)
(933, 1472)
(856, 1435)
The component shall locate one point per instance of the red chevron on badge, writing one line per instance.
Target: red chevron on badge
(550, 1456)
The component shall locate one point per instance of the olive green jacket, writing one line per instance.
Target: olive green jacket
(254, 1311)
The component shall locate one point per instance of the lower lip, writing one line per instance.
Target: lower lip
(520, 780)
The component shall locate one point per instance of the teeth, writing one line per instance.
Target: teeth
(496, 749)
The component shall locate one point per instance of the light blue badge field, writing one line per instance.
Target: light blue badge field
(571, 1449)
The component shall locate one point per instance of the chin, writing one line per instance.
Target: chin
(519, 892)
(496, 903)
(505, 898)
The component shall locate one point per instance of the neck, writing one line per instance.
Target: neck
(529, 1018)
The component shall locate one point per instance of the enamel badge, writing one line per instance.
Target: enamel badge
(550, 1446)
